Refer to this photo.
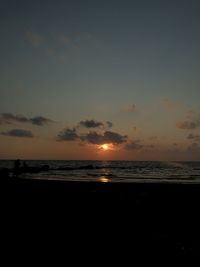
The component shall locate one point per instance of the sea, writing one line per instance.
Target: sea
(111, 171)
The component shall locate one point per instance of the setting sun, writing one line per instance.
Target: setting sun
(106, 147)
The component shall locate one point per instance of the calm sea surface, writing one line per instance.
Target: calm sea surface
(114, 171)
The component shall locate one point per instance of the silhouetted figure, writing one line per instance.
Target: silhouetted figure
(25, 165)
(17, 165)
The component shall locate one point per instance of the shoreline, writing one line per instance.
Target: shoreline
(102, 186)
(182, 196)
(150, 182)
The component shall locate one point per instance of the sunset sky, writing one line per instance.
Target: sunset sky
(76, 75)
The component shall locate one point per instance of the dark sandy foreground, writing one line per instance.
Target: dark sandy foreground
(147, 216)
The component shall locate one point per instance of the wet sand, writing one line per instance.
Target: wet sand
(156, 216)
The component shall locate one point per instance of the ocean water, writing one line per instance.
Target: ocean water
(113, 171)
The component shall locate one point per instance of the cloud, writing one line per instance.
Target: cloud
(115, 138)
(109, 124)
(106, 138)
(18, 133)
(40, 121)
(194, 137)
(68, 135)
(34, 38)
(93, 138)
(134, 145)
(9, 118)
(189, 125)
(91, 124)
(95, 124)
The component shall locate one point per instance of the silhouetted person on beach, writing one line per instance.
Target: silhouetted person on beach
(17, 165)
(25, 165)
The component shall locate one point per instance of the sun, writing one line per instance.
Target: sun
(105, 147)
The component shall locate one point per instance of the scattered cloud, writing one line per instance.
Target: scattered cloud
(40, 121)
(189, 125)
(191, 121)
(9, 118)
(91, 124)
(95, 124)
(134, 145)
(196, 138)
(93, 138)
(109, 124)
(34, 38)
(18, 133)
(114, 138)
(106, 138)
(68, 135)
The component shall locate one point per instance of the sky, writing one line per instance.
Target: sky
(76, 75)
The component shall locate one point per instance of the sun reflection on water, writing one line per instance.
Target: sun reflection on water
(104, 179)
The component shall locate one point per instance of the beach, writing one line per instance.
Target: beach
(155, 215)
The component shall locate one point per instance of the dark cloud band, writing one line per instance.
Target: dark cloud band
(95, 124)
(68, 135)
(92, 137)
(107, 137)
(194, 137)
(91, 124)
(18, 133)
(189, 125)
(9, 118)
